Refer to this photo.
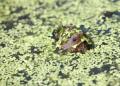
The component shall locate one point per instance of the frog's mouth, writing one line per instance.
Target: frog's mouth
(75, 46)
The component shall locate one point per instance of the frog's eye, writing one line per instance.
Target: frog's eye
(74, 39)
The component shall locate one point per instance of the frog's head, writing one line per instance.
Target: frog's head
(71, 39)
(78, 42)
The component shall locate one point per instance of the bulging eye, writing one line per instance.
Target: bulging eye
(74, 39)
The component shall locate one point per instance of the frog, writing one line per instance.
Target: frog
(69, 38)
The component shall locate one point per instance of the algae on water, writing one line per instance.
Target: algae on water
(27, 51)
